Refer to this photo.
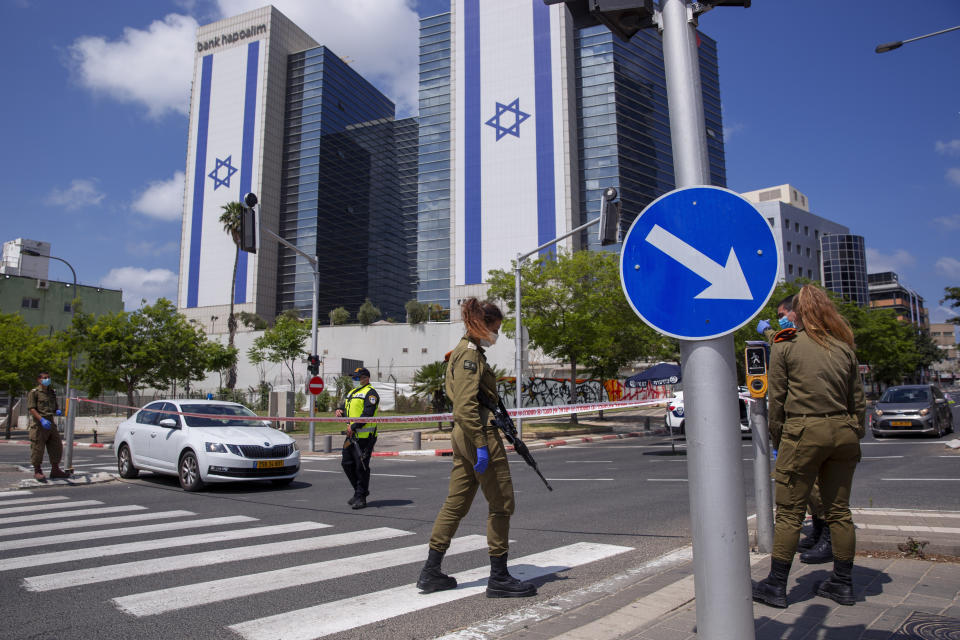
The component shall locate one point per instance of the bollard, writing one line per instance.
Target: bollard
(327, 443)
(416, 440)
(94, 436)
(646, 423)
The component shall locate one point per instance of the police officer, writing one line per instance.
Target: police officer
(42, 407)
(814, 548)
(361, 402)
(817, 412)
(479, 459)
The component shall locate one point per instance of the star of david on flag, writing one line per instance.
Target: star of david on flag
(518, 117)
(215, 174)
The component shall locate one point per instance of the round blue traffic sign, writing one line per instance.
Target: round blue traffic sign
(698, 263)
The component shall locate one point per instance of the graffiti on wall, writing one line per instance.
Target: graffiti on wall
(547, 392)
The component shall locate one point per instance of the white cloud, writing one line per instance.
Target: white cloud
(730, 130)
(147, 248)
(948, 222)
(80, 193)
(878, 262)
(950, 147)
(949, 267)
(953, 175)
(380, 38)
(942, 314)
(162, 200)
(151, 67)
(141, 284)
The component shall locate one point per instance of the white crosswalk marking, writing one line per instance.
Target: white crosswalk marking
(44, 507)
(7, 503)
(77, 524)
(334, 617)
(64, 579)
(163, 600)
(14, 494)
(98, 534)
(149, 545)
(33, 517)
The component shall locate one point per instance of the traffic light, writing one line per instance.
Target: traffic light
(623, 17)
(609, 217)
(248, 224)
(313, 364)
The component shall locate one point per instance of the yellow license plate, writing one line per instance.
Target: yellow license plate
(269, 464)
(900, 423)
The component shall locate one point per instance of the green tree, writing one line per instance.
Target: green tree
(25, 352)
(252, 320)
(220, 358)
(952, 295)
(367, 314)
(429, 382)
(417, 312)
(339, 316)
(230, 219)
(283, 343)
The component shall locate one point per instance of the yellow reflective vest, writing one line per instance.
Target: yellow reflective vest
(362, 402)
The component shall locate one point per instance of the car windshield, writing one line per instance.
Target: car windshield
(906, 396)
(220, 410)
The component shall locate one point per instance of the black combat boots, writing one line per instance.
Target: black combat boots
(431, 578)
(811, 540)
(772, 590)
(503, 585)
(839, 586)
(820, 552)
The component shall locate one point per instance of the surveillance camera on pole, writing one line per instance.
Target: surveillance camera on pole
(609, 217)
(248, 224)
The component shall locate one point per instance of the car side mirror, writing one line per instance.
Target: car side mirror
(169, 423)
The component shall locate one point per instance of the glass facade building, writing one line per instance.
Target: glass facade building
(434, 161)
(623, 122)
(844, 267)
(345, 190)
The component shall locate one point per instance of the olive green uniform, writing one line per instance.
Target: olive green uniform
(467, 376)
(817, 411)
(44, 400)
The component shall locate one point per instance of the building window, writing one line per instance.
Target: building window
(790, 269)
(808, 252)
(30, 303)
(67, 307)
(424, 350)
(405, 350)
(816, 233)
(789, 247)
(806, 230)
(798, 250)
(810, 273)
(786, 223)
(796, 227)
(772, 194)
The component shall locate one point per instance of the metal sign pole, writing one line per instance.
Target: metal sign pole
(313, 349)
(761, 474)
(717, 503)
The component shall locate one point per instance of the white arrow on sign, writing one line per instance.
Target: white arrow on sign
(727, 282)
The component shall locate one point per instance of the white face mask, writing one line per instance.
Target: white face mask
(491, 342)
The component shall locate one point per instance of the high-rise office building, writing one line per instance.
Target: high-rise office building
(843, 266)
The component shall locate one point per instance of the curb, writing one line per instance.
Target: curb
(93, 445)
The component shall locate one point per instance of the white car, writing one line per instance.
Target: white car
(200, 449)
(676, 423)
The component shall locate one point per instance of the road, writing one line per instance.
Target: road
(338, 573)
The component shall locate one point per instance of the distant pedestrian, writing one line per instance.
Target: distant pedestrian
(817, 412)
(360, 402)
(479, 459)
(42, 407)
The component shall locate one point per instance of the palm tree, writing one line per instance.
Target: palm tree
(429, 381)
(230, 219)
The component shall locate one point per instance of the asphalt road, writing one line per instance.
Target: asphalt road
(626, 498)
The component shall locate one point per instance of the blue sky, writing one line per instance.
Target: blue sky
(95, 126)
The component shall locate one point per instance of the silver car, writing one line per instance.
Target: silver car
(915, 408)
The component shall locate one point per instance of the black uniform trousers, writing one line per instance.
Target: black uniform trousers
(350, 461)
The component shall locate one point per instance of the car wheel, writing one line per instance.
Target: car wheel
(125, 463)
(683, 427)
(877, 435)
(189, 472)
(282, 482)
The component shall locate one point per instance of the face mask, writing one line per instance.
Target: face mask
(786, 324)
(45, 382)
(491, 342)
(356, 382)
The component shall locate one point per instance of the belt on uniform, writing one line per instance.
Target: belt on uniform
(836, 414)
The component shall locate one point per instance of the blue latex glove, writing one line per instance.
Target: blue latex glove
(774, 454)
(46, 424)
(483, 459)
(58, 412)
(762, 326)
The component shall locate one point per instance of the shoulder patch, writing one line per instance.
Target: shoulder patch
(469, 365)
(785, 334)
(372, 399)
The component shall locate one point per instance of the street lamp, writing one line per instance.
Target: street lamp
(70, 409)
(890, 46)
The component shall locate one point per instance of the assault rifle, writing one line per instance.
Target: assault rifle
(504, 422)
(355, 443)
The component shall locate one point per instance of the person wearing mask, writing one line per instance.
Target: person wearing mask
(362, 401)
(42, 407)
(479, 459)
(817, 412)
(815, 547)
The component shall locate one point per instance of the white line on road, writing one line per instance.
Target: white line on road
(106, 573)
(44, 507)
(666, 479)
(192, 595)
(334, 617)
(580, 479)
(391, 475)
(70, 514)
(149, 545)
(319, 470)
(587, 461)
(7, 503)
(880, 457)
(76, 524)
(922, 479)
(125, 531)
(14, 494)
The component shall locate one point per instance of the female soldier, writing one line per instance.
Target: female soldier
(479, 458)
(816, 419)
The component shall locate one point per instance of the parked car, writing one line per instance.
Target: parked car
(915, 408)
(204, 446)
(676, 423)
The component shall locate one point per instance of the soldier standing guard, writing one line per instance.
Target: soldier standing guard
(42, 407)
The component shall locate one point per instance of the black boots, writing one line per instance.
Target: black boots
(820, 552)
(811, 540)
(772, 590)
(503, 585)
(431, 578)
(839, 586)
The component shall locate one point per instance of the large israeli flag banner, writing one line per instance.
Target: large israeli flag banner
(221, 167)
(511, 124)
